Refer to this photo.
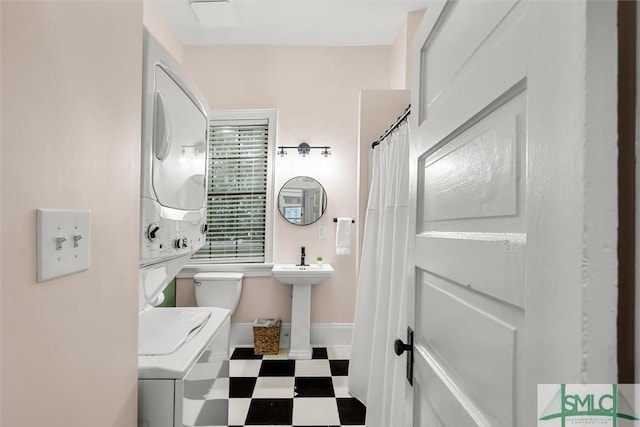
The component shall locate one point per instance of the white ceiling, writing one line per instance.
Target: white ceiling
(296, 22)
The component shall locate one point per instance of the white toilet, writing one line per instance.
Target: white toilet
(218, 290)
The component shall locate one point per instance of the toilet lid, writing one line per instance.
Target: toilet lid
(163, 332)
(217, 276)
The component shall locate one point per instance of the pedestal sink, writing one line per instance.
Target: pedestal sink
(301, 278)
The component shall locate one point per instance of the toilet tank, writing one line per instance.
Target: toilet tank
(218, 289)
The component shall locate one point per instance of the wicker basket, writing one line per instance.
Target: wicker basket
(266, 336)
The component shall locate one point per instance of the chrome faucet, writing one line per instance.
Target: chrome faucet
(302, 257)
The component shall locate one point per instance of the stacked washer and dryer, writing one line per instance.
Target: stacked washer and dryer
(173, 227)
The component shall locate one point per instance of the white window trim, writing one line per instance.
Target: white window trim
(252, 269)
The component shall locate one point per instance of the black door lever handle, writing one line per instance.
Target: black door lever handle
(399, 347)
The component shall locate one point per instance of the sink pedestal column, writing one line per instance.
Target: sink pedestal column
(300, 347)
(301, 278)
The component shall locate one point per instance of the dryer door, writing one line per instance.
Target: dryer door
(179, 146)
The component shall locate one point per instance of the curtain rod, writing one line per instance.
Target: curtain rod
(393, 127)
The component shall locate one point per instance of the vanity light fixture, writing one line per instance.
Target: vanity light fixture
(304, 150)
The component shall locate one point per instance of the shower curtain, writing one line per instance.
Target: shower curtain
(376, 374)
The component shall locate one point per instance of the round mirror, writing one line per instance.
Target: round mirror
(302, 200)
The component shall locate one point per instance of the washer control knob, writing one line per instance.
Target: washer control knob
(180, 243)
(152, 231)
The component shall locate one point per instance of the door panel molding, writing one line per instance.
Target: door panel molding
(450, 51)
(482, 365)
(491, 146)
(491, 158)
(494, 265)
(502, 46)
(438, 392)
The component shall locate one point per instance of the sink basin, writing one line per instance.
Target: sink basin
(292, 274)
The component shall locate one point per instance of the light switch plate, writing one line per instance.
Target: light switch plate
(63, 242)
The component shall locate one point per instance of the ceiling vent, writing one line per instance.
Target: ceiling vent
(215, 13)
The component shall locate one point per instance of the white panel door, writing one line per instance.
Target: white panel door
(513, 193)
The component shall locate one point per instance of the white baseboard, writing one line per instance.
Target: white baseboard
(322, 334)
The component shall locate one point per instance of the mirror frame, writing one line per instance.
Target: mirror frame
(324, 200)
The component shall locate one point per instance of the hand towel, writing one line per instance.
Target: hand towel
(343, 236)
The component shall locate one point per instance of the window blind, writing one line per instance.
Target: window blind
(236, 193)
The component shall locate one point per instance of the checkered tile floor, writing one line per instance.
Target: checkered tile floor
(271, 390)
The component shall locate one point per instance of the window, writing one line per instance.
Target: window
(239, 189)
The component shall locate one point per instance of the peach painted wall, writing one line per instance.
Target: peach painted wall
(71, 79)
(401, 52)
(398, 63)
(158, 26)
(316, 91)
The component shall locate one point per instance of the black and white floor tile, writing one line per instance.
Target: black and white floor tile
(272, 390)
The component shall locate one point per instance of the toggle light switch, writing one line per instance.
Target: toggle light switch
(56, 258)
(76, 239)
(59, 242)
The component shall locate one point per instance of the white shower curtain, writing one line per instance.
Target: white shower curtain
(376, 374)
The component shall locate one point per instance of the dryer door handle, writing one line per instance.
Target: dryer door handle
(161, 130)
